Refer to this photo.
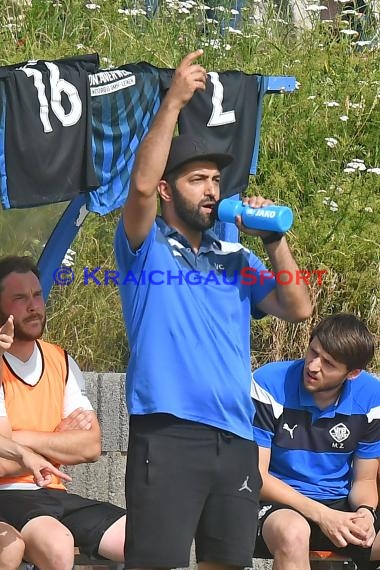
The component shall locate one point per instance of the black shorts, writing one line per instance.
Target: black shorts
(186, 480)
(318, 540)
(86, 519)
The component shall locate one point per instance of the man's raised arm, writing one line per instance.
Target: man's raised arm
(141, 205)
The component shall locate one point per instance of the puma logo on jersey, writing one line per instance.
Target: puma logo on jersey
(290, 430)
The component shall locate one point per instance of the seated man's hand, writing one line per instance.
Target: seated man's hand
(6, 335)
(78, 419)
(41, 468)
(366, 524)
(344, 528)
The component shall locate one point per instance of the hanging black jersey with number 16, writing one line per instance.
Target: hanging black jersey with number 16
(48, 155)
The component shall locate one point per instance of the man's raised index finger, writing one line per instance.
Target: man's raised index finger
(8, 326)
(191, 57)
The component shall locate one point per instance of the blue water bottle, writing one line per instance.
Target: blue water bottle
(267, 218)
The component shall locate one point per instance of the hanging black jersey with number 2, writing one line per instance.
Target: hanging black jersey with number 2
(48, 155)
(225, 115)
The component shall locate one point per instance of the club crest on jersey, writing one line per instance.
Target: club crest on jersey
(339, 433)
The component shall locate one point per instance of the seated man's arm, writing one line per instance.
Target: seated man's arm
(77, 439)
(364, 486)
(68, 447)
(274, 489)
(364, 492)
(8, 466)
(16, 459)
(340, 527)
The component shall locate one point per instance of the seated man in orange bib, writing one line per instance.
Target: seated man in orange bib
(11, 544)
(42, 407)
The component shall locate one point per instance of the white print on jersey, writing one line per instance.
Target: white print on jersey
(113, 87)
(218, 116)
(290, 430)
(340, 432)
(57, 87)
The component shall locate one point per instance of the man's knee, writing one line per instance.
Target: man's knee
(48, 544)
(56, 557)
(50, 555)
(12, 547)
(286, 531)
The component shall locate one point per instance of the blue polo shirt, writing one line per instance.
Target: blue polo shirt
(187, 317)
(312, 449)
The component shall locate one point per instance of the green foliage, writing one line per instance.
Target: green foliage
(337, 213)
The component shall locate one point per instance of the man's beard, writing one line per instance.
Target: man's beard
(20, 333)
(191, 214)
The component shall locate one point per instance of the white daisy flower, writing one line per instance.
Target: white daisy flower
(356, 165)
(348, 170)
(331, 142)
(315, 8)
(348, 32)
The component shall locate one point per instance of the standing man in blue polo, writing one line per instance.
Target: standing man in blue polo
(317, 425)
(192, 463)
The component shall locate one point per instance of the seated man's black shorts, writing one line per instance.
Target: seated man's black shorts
(86, 519)
(318, 540)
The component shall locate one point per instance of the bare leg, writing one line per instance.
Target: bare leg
(48, 544)
(11, 547)
(287, 535)
(111, 545)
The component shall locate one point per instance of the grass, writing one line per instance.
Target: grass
(308, 141)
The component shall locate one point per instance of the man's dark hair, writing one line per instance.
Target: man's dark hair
(171, 177)
(346, 339)
(16, 264)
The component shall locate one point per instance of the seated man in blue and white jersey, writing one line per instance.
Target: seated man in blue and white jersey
(317, 425)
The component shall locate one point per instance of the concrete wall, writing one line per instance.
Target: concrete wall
(104, 480)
